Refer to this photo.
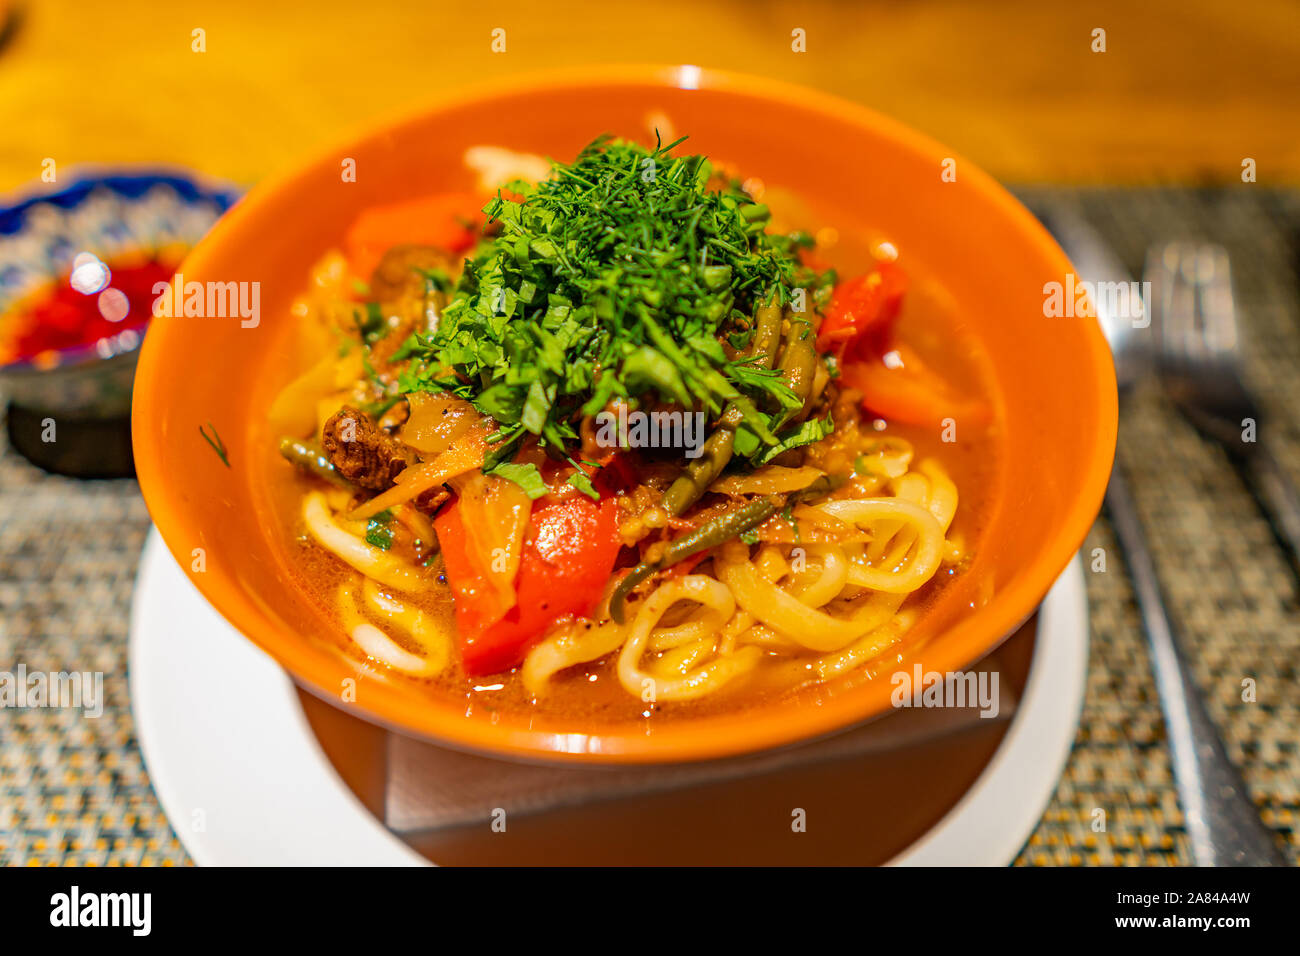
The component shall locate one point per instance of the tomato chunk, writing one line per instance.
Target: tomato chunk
(569, 551)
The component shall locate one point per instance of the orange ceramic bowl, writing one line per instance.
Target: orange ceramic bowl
(1054, 374)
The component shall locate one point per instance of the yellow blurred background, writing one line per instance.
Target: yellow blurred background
(1184, 92)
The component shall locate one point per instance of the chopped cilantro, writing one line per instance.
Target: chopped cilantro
(582, 482)
(406, 349)
(813, 430)
(618, 276)
(525, 475)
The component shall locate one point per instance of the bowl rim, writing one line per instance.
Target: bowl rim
(87, 176)
(746, 731)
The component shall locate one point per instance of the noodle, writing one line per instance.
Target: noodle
(704, 679)
(369, 560)
(901, 517)
(568, 647)
(834, 575)
(810, 627)
(378, 645)
(434, 642)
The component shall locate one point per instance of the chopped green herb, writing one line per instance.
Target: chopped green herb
(525, 475)
(741, 340)
(217, 444)
(582, 482)
(406, 349)
(788, 514)
(616, 277)
(379, 531)
(813, 430)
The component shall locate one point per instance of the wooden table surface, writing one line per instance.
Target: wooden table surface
(1184, 92)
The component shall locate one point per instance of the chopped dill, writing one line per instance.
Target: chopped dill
(216, 443)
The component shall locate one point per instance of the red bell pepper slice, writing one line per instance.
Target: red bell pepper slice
(568, 556)
(862, 305)
(906, 391)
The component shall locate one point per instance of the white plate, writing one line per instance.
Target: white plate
(245, 782)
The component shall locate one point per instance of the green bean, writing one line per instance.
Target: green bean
(822, 486)
(798, 365)
(821, 378)
(767, 334)
(701, 472)
(310, 458)
(708, 535)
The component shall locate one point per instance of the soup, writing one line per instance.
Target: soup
(635, 436)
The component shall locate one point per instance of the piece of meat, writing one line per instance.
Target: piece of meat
(361, 451)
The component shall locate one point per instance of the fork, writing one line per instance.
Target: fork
(1194, 322)
(1200, 365)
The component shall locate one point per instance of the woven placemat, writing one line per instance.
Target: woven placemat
(1225, 577)
(74, 790)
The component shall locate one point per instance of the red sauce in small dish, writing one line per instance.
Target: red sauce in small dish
(118, 296)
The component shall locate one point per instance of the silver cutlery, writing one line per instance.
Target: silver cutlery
(1199, 360)
(1222, 824)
